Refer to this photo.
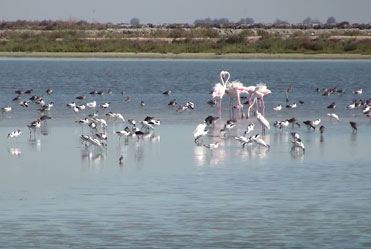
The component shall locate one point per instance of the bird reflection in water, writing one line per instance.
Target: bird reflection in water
(35, 143)
(93, 157)
(14, 152)
(206, 157)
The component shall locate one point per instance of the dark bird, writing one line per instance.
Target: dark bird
(127, 99)
(293, 122)
(93, 92)
(354, 126)
(142, 103)
(301, 102)
(210, 120)
(289, 89)
(17, 98)
(101, 92)
(121, 160)
(82, 97)
(172, 102)
(19, 92)
(321, 129)
(212, 102)
(28, 91)
(167, 92)
(309, 124)
(331, 106)
(49, 91)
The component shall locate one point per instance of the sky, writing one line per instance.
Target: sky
(186, 11)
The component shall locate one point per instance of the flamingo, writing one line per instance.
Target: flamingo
(257, 97)
(263, 121)
(218, 90)
(234, 89)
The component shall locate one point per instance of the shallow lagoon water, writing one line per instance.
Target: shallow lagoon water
(168, 192)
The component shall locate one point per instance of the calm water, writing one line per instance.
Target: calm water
(170, 193)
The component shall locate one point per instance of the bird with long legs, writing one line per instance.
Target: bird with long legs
(257, 97)
(218, 90)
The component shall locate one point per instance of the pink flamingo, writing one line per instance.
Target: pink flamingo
(257, 97)
(234, 89)
(218, 90)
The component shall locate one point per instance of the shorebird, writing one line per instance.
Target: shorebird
(263, 121)
(24, 103)
(109, 91)
(28, 91)
(351, 106)
(295, 135)
(91, 104)
(105, 105)
(172, 102)
(16, 98)
(258, 140)
(291, 106)
(210, 120)
(200, 131)
(331, 106)
(357, 91)
(333, 116)
(167, 92)
(230, 124)
(316, 122)
(277, 108)
(49, 91)
(6, 109)
(309, 124)
(121, 160)
(123, 133)
(212, 146)
(33, 125)
(250, 128)
(293, 122)
(127, 99)
(14, 133)
(244, 140)
(297, 143)
(322, 129)
(81, 97)
(354, 126)
(142, 103)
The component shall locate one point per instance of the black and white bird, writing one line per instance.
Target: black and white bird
(6, 109)
(244, 140)
(291, 106)
(230, 124)
(259, 141)
(212, 146)
(331, 106)
(277, 108)
(200, 131)
(16, 133)
(172, 102)
(297, 143)
(123, 133)
(142, 104)
(105, 105)
(322, 129)
(250, 128)
(210, 120)
(167, 92)
(357, 91)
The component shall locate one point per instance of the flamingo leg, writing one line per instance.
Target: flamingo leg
(219, 108)
(262, 105)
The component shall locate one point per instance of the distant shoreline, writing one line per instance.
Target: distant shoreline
(180, 56)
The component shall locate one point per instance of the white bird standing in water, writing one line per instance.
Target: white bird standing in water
(200, 131)
(333, 115)
(263, 121)
(250, 128)
(297, 143)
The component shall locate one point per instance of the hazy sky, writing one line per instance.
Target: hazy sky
(186, 11)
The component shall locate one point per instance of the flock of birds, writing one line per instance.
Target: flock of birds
(255, 96)
(95, 134)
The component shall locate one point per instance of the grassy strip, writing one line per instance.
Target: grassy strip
(73, 41)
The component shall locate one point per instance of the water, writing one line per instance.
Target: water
(170, 193)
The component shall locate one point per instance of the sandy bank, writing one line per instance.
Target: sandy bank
(183, 56)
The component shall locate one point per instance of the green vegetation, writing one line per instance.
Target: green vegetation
(59, 36)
